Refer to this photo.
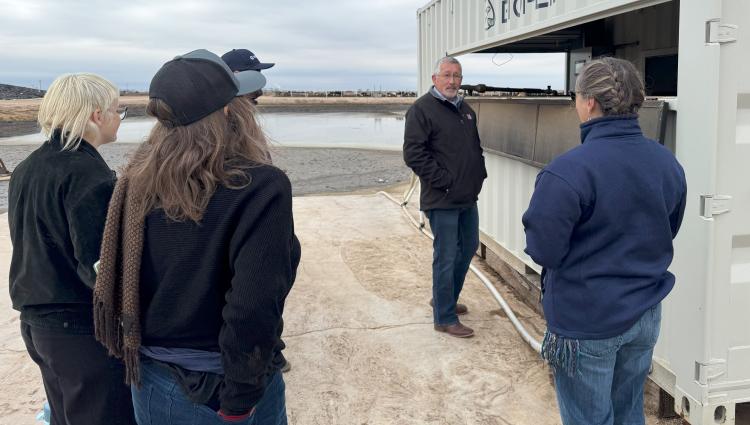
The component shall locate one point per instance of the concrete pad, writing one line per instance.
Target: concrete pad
(21, 390)
(359, 334)
(358, 329)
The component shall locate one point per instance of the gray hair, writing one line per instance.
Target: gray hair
(445, 59)
(614, 83)
(69, 103)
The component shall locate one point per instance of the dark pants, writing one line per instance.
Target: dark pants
(84, 385)
(456, 234)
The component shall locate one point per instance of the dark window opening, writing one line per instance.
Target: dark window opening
(660, 76)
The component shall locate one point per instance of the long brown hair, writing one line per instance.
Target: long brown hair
(178, 168)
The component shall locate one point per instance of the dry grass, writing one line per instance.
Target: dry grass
(19, 109)
(27, 109)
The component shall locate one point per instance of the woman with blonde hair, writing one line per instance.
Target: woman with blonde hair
(199, 254)
(57, 205)
(601, 223)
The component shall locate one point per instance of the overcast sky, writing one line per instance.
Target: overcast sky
(316, 44)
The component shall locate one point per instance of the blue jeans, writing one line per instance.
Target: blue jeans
(456, 240)
(161, 400)
(607, 388)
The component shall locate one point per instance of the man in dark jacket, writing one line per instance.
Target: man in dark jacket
(441, 146)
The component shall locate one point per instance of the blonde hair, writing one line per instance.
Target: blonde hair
(614, 83)
(69, 102)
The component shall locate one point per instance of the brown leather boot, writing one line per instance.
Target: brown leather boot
(458, 330)
(460, 308)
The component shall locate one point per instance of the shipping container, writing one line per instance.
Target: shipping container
(695, 58)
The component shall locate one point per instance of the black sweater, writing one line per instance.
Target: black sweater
(220, 285)
(57, 205)
(441, 145)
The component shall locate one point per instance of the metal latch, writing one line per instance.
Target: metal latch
(712, 205)
(709, 370)
(718, 33)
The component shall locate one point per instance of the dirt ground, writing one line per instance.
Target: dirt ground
(311, 170)
(359, 333)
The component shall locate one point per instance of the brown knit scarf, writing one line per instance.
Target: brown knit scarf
(116, 293)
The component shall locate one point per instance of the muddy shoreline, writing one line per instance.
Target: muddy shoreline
(18, 128)
(311, 170)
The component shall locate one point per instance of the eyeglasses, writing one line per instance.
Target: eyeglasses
(122, 112)
(573, 96)
(452, 76)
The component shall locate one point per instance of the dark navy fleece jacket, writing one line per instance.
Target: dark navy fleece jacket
(601, 223)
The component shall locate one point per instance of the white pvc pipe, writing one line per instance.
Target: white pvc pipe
(536, 345)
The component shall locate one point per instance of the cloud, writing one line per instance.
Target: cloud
(334, 44)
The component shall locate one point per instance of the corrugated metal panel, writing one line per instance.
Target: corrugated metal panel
(537, 130)
(504, 198)
(456, 27)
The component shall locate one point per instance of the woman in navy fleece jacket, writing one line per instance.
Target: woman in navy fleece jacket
(601, 223)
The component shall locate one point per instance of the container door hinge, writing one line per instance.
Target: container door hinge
(712, 205)
(709, 370)
(718, 33)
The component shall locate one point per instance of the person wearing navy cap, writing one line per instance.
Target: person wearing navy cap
(240, 60)
(244, 60)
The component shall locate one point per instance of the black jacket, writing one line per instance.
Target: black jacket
(57, 205)
(220, 285)
(441, 145)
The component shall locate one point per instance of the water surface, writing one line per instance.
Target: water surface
(365, 130)
(313, 172)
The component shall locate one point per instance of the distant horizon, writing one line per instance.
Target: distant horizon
(264, 89)
(277, 90)
(519, 70)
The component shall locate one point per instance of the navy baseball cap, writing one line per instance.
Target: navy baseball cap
(244, 60)
(196, 84)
